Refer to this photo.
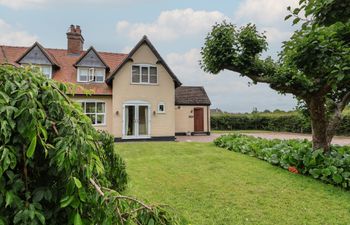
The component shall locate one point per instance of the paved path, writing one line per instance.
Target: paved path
(340, 140)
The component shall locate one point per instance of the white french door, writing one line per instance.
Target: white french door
(136, 120)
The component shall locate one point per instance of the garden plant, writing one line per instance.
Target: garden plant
(295, 155)
(55, 168)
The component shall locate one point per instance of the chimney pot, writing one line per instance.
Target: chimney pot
(77, 29)
(75, 40)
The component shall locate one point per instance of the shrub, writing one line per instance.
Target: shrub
(280, 121)
(55, 168)
(295, 155)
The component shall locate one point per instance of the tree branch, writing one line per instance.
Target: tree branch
(344, 102)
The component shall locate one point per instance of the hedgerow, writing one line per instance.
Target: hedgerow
(55, 168)
(295, 155)
(288, 122)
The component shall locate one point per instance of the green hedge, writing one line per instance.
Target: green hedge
(296, 156)
(289, 122)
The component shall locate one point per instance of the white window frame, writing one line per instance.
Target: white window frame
(158, 107)
(91, 75)
(149, 74)
(96, 113)
(50, 69)
(40, 68)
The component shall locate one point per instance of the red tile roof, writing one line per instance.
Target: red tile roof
(67, 72)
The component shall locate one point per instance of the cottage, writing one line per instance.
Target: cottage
(135, 96)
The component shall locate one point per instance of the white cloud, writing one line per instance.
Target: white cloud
(10, 35)
(28, 4)
(18, 4)
(173, 24)
(264, 11)
(226, 90)
(275, 35)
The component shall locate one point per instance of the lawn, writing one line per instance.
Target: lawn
(210, 185)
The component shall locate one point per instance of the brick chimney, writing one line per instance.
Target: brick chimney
(75, 40)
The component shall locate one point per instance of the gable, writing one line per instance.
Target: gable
(144, 55)
(35, 56)
(147, 47)
(91, 59)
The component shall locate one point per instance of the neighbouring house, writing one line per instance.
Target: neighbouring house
(135, 95)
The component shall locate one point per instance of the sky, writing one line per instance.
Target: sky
(176, 28)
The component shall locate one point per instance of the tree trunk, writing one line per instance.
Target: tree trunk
(319, 123)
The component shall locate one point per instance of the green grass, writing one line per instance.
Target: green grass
(209, 185)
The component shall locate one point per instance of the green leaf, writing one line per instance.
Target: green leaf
(66, 201)
(38, 196)
(77, 182)
(337, 178)
(82, 194)
(296, 20)
(5, 97)
(40, 217)
(151, 222)
(9, 198)
(77, 219)
(287, 17)
(31, 148)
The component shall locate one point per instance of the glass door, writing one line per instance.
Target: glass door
(129, 120)
(136, 121)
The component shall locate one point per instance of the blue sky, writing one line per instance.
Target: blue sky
(176, 28)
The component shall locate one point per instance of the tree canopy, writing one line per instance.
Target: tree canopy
(55, 168)
(314, 64)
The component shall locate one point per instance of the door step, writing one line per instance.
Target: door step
(200, 133)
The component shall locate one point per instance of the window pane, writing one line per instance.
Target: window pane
(153, 75)
(83, 74)
(90, 107)
(46, 70)
(83, 78)
(99, 79)
(100, 107)
(135, 74)
(161, 108)
(92, 117)
(83, 71)
(144, 74)
(100, 119)
(99, 75)
(82, 104)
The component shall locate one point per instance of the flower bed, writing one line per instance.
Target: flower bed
(295, 155)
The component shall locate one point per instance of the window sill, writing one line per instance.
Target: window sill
(147, 84)
(90, 82)
(99, 125)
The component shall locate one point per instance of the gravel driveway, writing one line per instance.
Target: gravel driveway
(340, 140)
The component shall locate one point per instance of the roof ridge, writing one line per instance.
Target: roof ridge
(62, 49)
(199, 86)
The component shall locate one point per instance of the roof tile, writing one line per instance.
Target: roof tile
(191, 95)
(67, 71)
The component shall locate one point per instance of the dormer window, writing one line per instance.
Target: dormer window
(46, 70)
(144, 74)
(86, 74)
